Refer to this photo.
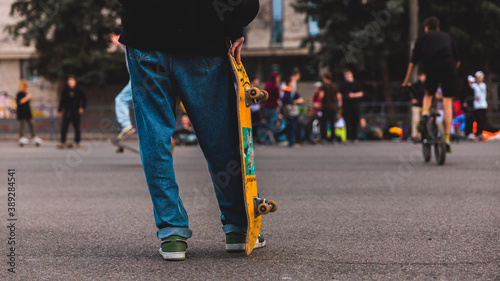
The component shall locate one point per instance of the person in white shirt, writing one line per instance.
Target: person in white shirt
(480, 103)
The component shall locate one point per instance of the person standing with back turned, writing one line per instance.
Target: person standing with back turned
(179, 48)
(330, 100)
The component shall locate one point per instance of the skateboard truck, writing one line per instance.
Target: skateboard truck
(263, 206)
(255, 95)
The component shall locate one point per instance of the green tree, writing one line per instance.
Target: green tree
(70, 36)
(474, 24)
(346, 41)
(361, 35)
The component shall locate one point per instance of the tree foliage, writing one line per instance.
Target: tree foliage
(365, 36)
(474, 24)
(356, 34)
(351, 38)
(70, 36)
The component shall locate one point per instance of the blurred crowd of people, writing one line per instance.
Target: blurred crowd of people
(330, 116)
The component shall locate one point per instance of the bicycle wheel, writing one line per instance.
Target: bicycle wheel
(440, 144)
(426, 147)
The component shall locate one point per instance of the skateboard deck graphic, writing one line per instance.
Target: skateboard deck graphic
(246, 95)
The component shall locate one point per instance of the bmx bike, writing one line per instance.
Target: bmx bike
(433, 136)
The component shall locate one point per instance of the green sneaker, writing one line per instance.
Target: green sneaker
(173, 248)
(235, 242)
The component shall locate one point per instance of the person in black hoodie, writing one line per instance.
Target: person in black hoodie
(180, 49)
(71, 106)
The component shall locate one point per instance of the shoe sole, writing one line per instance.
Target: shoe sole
(236, 247)
(173, 256)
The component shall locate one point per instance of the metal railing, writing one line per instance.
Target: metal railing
(100, 121)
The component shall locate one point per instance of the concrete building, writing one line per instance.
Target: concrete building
(15, 60)
(273, 42)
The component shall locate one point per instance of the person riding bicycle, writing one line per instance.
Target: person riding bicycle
(439, 55)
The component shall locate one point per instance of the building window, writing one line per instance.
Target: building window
(27, 71)
(277, 32)
(313, 26)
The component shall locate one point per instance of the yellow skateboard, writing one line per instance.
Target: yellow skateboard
(254, 206)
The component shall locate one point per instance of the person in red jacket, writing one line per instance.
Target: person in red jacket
(270, 106)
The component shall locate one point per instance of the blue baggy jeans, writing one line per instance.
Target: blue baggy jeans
(122, 104)
(204, 85)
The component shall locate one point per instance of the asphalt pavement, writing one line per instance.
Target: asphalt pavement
(369, 211)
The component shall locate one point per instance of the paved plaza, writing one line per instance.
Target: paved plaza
(370, 211)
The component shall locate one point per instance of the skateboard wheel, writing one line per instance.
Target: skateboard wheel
(254, 93)
(264, 208)
(266, 95)
(274, 205)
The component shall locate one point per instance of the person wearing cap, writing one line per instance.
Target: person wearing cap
(438, 53)
(467, 100)
(480, 103)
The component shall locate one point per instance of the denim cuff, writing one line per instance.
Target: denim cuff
(179, 231)
(229, 228)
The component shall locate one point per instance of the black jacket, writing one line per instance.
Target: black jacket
(189, 26)
(71, 100)
(418, 93)
(437, 51)
(23, 110)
